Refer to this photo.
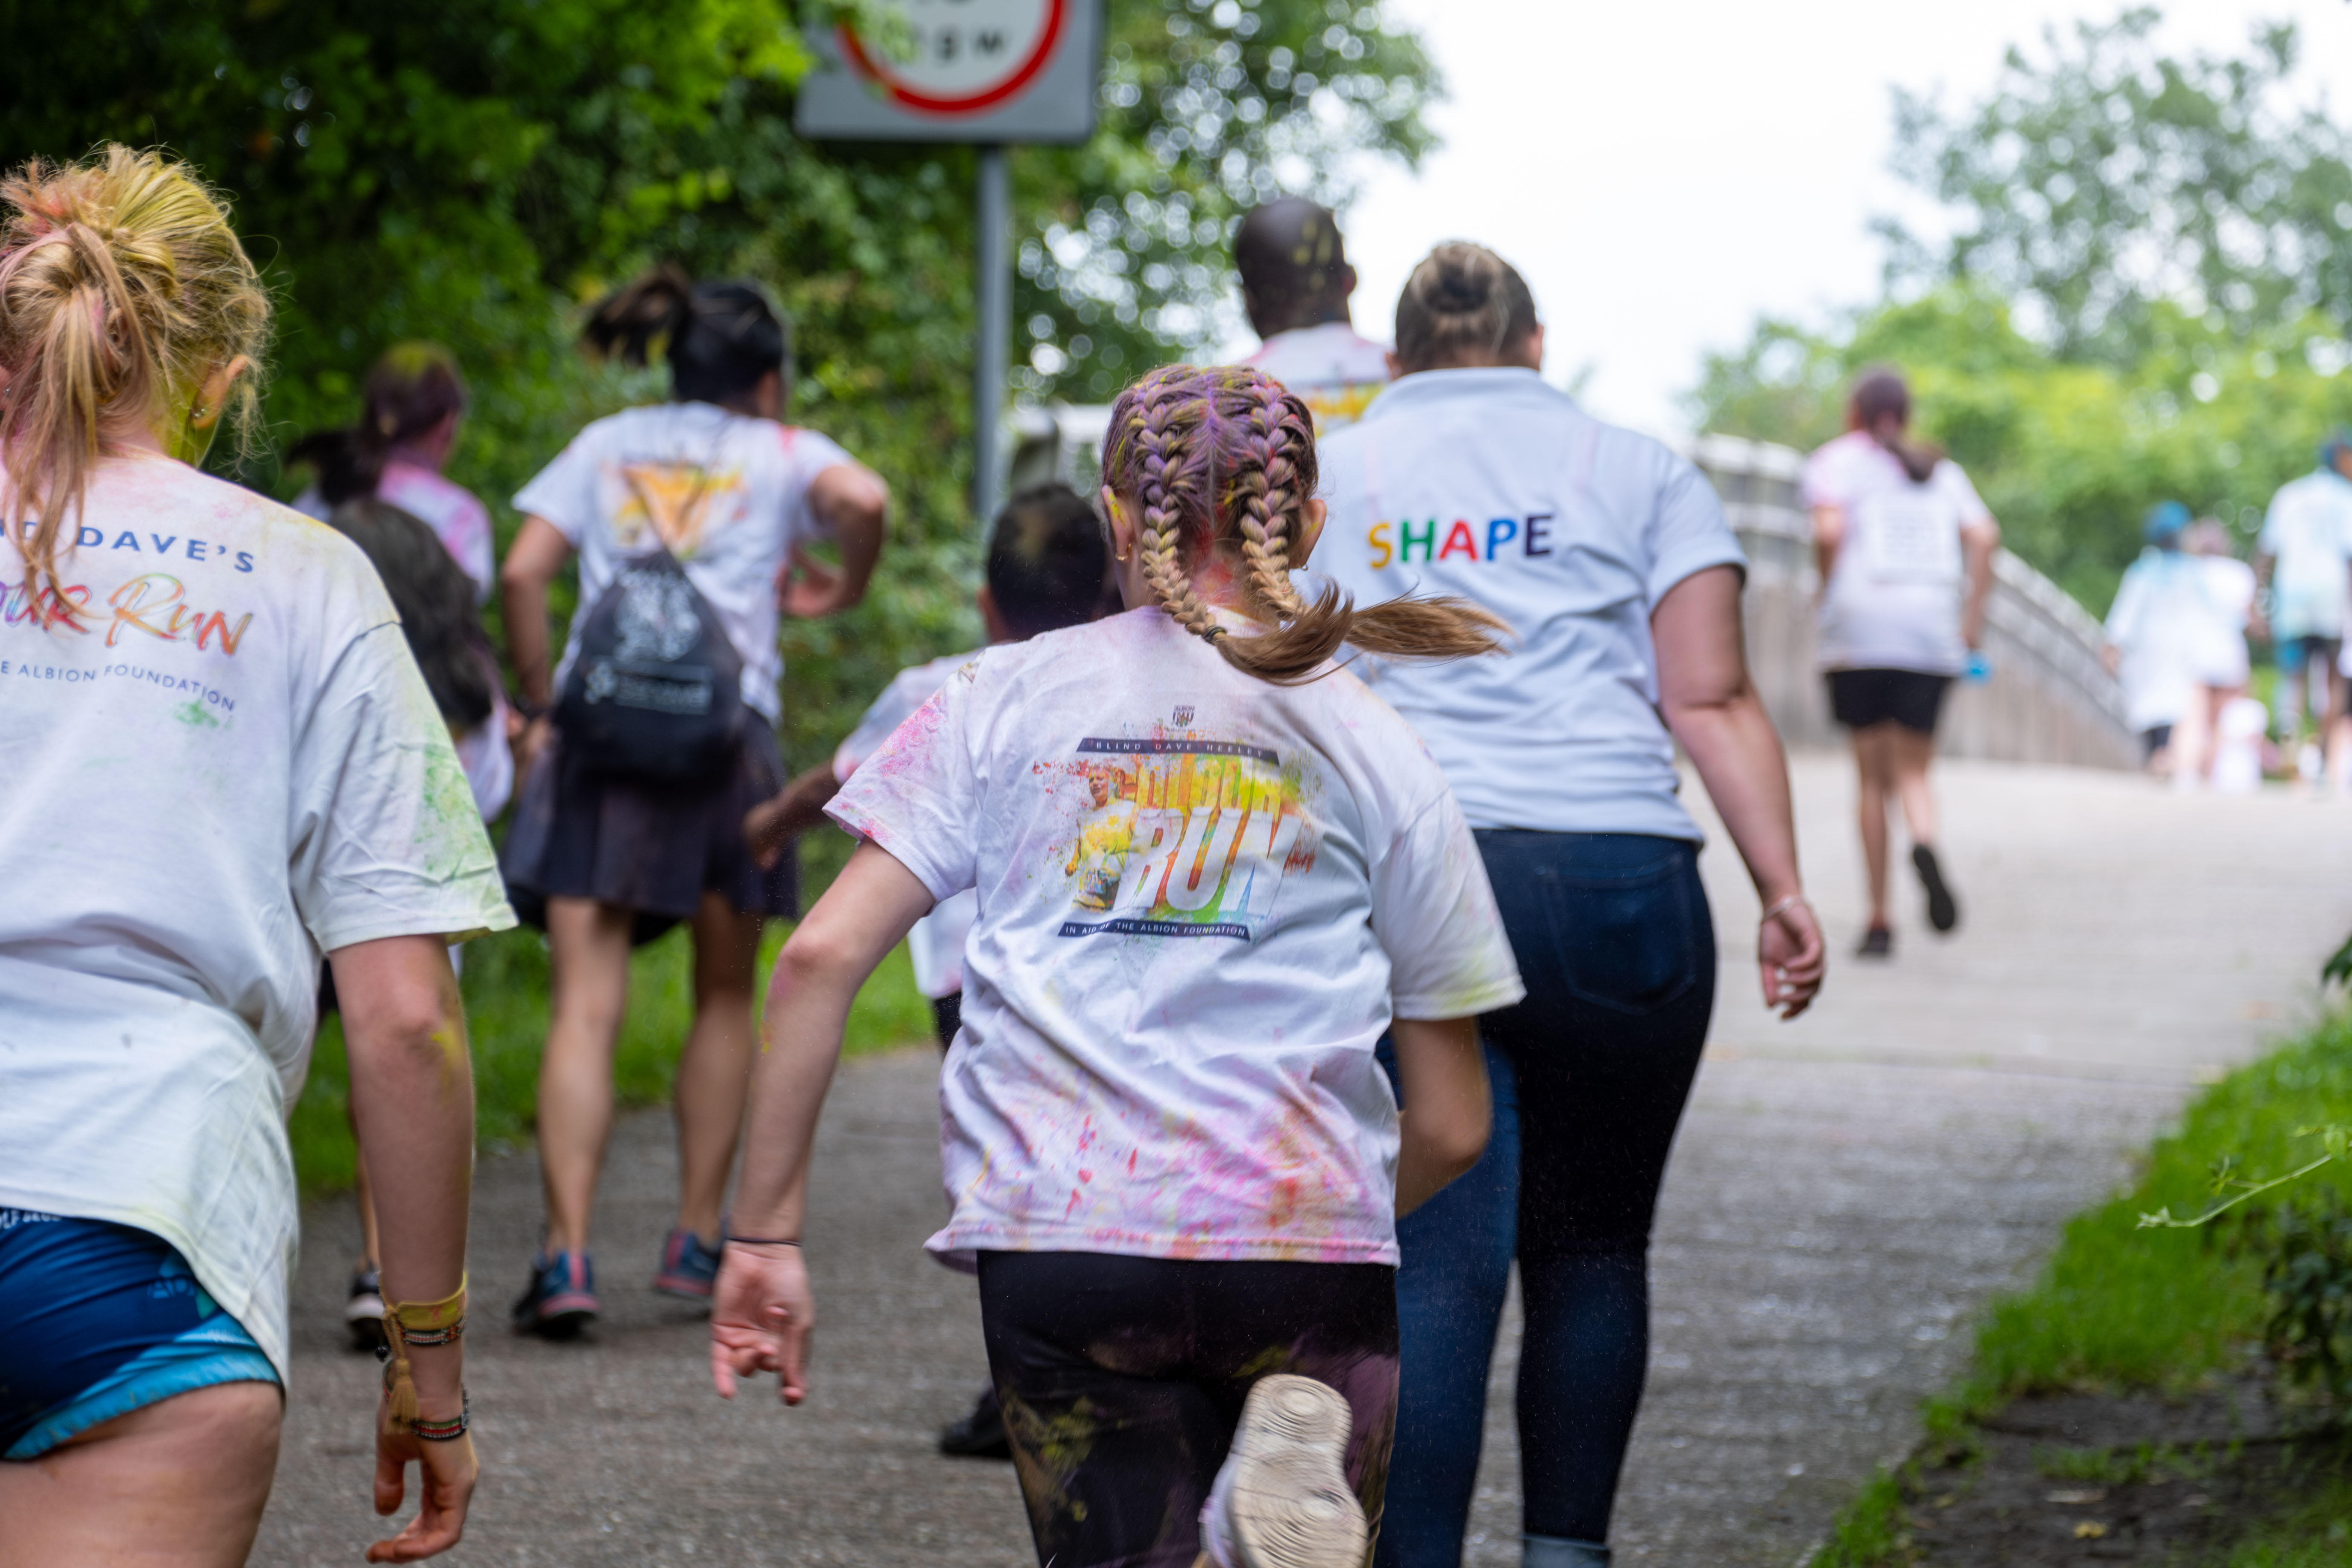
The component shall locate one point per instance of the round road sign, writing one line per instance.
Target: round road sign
(968, 55)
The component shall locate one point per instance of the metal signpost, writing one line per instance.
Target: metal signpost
(988, 72)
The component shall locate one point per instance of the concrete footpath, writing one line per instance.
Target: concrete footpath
(1847, 1189)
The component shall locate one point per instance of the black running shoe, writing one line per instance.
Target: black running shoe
(979, 1436)
(363, 1310)
(1876, 943)
(1943, 910)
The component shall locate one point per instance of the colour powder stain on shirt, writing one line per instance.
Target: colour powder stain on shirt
(193, 715)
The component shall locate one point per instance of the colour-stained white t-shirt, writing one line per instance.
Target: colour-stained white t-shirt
(229, 766)
(1201, 899)
(1489, 484)
(1895, 594)
(456, 517)
(1335, 370)
(2176, 623)
(936, 943)
(729, 494)
(2308, 534)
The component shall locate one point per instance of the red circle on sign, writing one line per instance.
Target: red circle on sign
(1047, 37)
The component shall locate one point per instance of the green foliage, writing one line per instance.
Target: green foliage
(1870, 1531)
(473, 173)
(506, 988)
(2306, 1248)
(2118, 1305)
(2104, 182)
(2069, 456)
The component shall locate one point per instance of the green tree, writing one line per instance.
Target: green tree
(473, 173)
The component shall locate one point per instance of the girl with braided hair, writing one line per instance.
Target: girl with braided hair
(1212, 871)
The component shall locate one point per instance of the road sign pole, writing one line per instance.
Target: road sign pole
(994, 264)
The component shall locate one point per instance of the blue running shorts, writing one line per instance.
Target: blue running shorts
(99, 1320)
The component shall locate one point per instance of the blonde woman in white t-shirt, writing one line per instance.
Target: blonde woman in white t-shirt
(1212, 869)
(714, 488)
(1906, 551)
(223, 762)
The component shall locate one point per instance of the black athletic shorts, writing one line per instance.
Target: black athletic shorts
(1860, 698)
(1122, 1380)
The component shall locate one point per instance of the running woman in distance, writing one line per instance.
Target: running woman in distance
(734, 496)
(1608, 558)
(1212, 869)
(410, 407)
(223, 762)
(1905, 551)
(1296, 282)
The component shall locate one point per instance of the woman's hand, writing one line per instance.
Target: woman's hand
(446, 1474)
(1792, 957)
(761, 1312)
(809, 589)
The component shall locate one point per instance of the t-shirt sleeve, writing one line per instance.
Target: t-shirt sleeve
(563, 492)
(1435, 915)
(898, 701)
(385, 838)
(1688, 532)
(917, 795)
(1953, 480)
(1822, 483)
(2123, 615)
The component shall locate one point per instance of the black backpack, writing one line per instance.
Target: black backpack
(656, 694)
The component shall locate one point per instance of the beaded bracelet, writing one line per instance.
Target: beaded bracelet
(760, 1241)
(418, 1323)
(446, 1431)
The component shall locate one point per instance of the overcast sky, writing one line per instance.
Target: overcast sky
(1664, 172)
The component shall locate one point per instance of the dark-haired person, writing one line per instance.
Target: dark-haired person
(435, 599)
(1905, 550)
(1296, 282)
(734, 495)
(1609, 559)
(411, 405)
(1048, 568)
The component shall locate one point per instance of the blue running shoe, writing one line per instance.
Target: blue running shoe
(561, 1300)
(690, 1271)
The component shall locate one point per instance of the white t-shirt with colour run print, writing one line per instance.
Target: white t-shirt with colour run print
(1894, 595)
(1489, 484)
(1335, 371)
(936, 944)
(229, 766)
(1201, 899)
(727, 492)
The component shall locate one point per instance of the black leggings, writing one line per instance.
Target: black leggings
(1122, 1380)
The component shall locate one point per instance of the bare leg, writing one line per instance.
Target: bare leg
(1909, 755)
(589, 949)
(180, 1484)
(1871, 778)
(715, 1070)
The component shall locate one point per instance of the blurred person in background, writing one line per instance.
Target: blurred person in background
(2168, 638)
(1906, 551)
(230, 769)
(410, 409)
(2302, 573)
(1296, 282)
(690, 520)
(2223, 663)
(1610, 559)
(438, 620)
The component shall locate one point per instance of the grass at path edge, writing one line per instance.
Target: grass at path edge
(2119, 1307)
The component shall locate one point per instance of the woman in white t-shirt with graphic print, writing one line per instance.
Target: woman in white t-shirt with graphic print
(733, 497)
(222, 763)
(1212, 869)
(1906, 551)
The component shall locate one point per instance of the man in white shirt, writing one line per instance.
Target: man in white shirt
(1295, 285)
(2303, 569)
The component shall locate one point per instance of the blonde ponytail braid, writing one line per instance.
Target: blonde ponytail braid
(1165, 481)
(1269, 486)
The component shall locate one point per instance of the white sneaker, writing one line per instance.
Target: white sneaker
(1282, 1499)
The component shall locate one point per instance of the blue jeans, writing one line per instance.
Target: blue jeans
(1616, 944)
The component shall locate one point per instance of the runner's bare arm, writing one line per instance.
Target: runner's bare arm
(762, 1310)
(1441, 1134)
(1829, 533)
(792, 811)
(1712, 709)
(413, 1103)
(1979, 542)
(537, 554)
(854, 505)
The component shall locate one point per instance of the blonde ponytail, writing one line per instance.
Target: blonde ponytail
(122, 287)
(1227, 456)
